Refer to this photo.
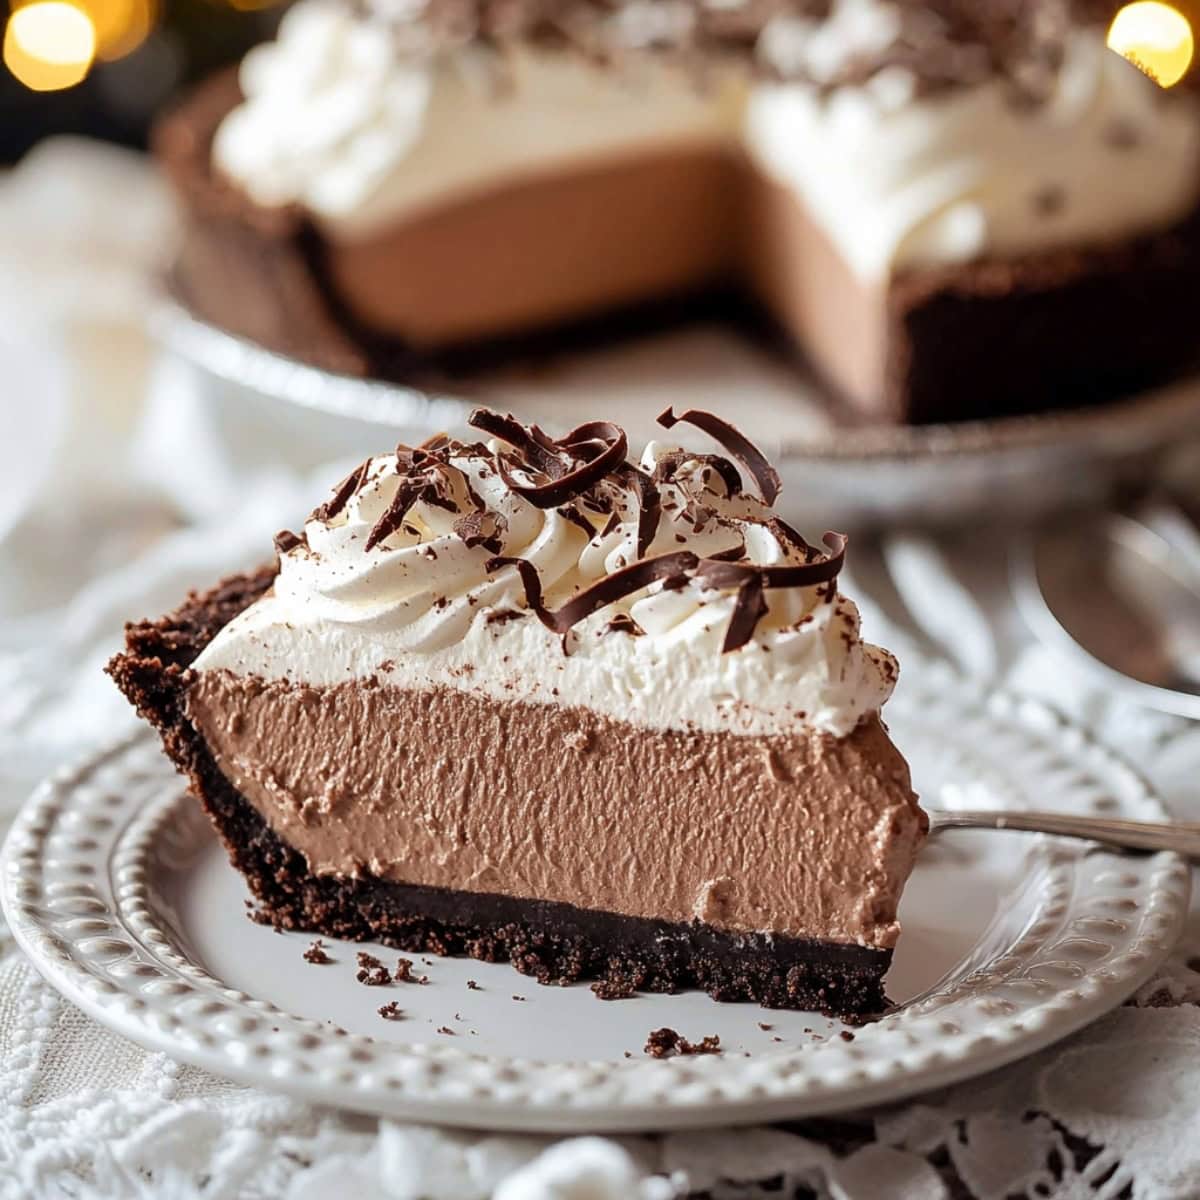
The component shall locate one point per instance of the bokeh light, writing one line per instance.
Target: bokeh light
(121, 25)
(49, 45)
(1156, 38)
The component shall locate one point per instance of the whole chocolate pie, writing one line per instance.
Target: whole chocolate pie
(525, 699)
(951, 208)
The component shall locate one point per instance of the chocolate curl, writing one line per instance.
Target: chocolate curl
(736, 443)
(605, 446)
(342, 493)
(720, 574)
(602, 593)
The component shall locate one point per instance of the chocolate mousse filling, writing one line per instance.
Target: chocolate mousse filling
(678, 902)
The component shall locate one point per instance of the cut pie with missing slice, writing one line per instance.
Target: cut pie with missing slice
(527, 700)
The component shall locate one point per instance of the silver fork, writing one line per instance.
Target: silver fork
(1134, 836)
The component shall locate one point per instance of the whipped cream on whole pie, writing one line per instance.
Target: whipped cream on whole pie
(910, 140)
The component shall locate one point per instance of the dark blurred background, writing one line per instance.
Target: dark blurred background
(104, 68)
(143, 52)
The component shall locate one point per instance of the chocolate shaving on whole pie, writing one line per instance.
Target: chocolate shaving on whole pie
(740, 446)
(602, 593)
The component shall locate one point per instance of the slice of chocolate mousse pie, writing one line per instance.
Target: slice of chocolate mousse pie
(524, 699)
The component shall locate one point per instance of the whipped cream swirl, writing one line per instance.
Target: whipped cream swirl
(431, 603)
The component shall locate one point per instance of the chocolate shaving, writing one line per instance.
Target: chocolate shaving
(736, 443)
(605, 446)
(602, 593)
(668, 466)
(484, 529)
(613, 524)
(406, 496)
(624, 623)
(540, 452)
(787, 536)
(649, 504)
(750, 608)
(342, 493)
(286, 541)
(569, 512)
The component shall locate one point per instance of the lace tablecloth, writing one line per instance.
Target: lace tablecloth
(115, 501)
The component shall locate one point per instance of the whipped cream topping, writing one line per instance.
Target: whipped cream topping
(900, 181)
(338, 118)
(426, 606)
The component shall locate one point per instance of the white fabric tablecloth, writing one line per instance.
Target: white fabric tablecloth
(114, 500)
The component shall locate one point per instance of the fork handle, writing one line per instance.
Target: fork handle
(1179, 837)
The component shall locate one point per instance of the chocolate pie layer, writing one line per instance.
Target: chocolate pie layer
(551, 941)
(580, 258)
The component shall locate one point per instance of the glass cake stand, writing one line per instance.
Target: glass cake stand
(1014, 469)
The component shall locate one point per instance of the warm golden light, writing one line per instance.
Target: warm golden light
(121, 25)
(49, 45)
(1156, 38)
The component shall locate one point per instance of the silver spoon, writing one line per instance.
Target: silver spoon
(1121, 598)
(1141, 836)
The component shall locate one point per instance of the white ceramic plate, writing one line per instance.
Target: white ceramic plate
(117, 890)
(1020, 467)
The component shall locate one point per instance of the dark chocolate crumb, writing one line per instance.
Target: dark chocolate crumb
(446, 1030)
(391, 1011)
(516, 997)
(316, 953)
(765, 1027)
(662, 1043)
(404, 972)
(846, 1035)
(473, 986)
(371, 971)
